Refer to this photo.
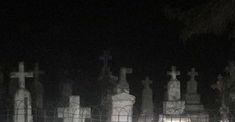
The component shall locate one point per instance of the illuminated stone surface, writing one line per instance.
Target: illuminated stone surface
(74, 113)
(22, 98)
(122, 102)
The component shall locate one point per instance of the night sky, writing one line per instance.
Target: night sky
(71, 36)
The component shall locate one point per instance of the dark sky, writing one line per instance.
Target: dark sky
(72, 35)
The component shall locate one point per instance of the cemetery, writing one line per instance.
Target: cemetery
(117, 103)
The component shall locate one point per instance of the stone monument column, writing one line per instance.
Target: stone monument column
(122, 102)
(173, 107)
(193, 106)
(147, 114)
(22, 98)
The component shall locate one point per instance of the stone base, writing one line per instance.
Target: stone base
(192, 98)
(173, 107)
(199, 117)
(172, 118)
(194, 108)
(146, 118)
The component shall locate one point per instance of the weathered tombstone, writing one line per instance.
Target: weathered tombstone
(123, 86)
(74, 113)
(122, 102)
(85, 113)
(224, 110)
(71, 113)
(147, 102)
(174, 107)
(22, 98)
(66, 89)
(37, 88)
(193, 107)
(107, 84)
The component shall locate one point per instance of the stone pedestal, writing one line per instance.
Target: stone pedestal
(173, 107)
(122, 107)
(199, 117)
(71, 113)
(22, 106)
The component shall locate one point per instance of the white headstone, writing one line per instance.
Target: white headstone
(22, 98)
(173, 105)
(122, 107)
(173, 85)
(74, 113)
(71, 113)
(122, 102)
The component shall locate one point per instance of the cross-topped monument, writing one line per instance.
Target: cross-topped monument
(123, 85)
(21, 75)
(22, 98)
(123, 72)
(147, 82)
(105, 58)
(173, 73)
(147, 99)
(37, 72)
(193, 74)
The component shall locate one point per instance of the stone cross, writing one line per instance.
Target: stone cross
(37, 72)
(21, 75)
(124, 72)
(123, 85)
(105, 58)
(147, 82)
(173, 73)
(219, 84)
(192, 74)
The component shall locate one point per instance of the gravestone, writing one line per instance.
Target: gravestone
(193, 106)
(123, 85)
(37, 88)
(74, 112)
(122, 102)
(147, 102)
(224, 109)
(173, 107)
(70, 113)
(22, 98)
(107, 85)
(85, 113)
